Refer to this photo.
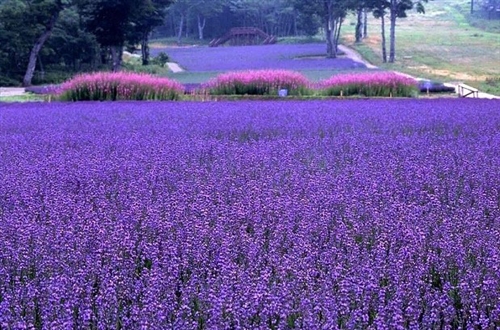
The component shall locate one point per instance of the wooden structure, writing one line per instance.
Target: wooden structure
(466, 90)
(240, 36)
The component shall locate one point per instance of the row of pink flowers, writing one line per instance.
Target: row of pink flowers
(269, 81)
(122, 86)
(136, 86)
(258, 81)
(388, 79)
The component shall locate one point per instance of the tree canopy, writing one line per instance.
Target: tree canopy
(40, 37)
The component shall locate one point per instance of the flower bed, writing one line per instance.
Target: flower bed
(287, 215)
(119, 86)
(262, 57)
(370, 84)
(259, 82)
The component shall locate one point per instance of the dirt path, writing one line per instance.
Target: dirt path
(355, 56)
(174, 67)
(11, 91)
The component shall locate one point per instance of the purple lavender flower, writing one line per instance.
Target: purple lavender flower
(341, 214)
(279, 57)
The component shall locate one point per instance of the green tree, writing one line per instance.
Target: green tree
(46, 14)
(207, 9)
(398, 9)
(70, 47)
(359, 23)
(332, 14)
(16, 35)
(25, 27)
(145, 17)
(379, 10)
(275, 17)
(182, 10)
(109, 21)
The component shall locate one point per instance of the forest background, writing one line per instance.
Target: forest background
(48, 41)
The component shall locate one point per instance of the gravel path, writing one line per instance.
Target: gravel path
(355, 56)
(174, 67)
(11, 91)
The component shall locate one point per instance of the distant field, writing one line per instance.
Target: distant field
(202, 62)
(444, 44)
(440, 45)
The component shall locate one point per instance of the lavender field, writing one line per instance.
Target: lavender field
(279, 56)
(348, 214)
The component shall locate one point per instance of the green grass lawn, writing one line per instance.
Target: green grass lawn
(28, 97)
(440, 45)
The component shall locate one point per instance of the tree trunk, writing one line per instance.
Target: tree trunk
(181, 26)
(201, 26)
(145, 49)
(30, 70)
(329, 43)
(392, 51)
(295, 27)
(116, 54)
(365, 23)
(359, 25)
(42, 71)
(330, 34)
(338, 25)
(384, 50)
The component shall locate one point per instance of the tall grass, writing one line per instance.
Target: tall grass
(369, 84)
(105, 86)
(258, 82)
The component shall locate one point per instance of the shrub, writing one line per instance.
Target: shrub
(427, 86)
(52, 76)
(370, 84)
(161, 59)
(8, 82)
(151, 69)
(258, 82)
(119, 86)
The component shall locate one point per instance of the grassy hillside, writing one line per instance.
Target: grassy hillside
(444, 44)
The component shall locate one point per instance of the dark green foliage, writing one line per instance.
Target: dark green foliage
(435, 87)
(161, 59)
(80, 40)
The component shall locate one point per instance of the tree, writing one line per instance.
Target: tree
(275, 17)
(47, 15)
(70, 47)
(147, 15)
(16, 38)
(379, 9)
(67, 49)
(109, 21)
(397, 9)
(182, 8)
(359, 24)
(204, 10)
(365, 22)
(332, 14)
(25, 27)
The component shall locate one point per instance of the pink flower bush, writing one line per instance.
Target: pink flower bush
(258, 82)
(369, 84)
(104, 86)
